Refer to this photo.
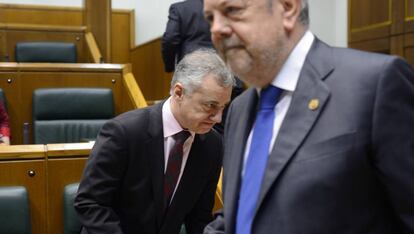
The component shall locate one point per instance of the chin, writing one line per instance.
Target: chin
(240, 66)
(203, 130)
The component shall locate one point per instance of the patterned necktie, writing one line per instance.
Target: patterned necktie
(175, 159)
(257, 159)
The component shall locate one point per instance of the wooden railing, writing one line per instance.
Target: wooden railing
(93, 48)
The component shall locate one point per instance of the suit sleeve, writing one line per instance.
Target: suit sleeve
(101, 181)
(393, 121)
(171, 40)
(201, 214)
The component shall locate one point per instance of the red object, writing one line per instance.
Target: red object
(4, 121)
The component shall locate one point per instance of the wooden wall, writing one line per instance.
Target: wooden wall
(148, 69)
(122, 34)
(384, 26)
(123, 23)
(97, 18)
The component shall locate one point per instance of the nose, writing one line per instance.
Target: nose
(216, 116)
(220, 27)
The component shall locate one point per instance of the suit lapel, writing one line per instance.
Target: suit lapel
(299, 118)
(155, 152)
(243, 117)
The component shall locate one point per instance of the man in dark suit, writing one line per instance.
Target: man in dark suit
(186, 31)
(334, 153)
(141, 177)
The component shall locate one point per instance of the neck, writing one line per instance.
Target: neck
(175, 111)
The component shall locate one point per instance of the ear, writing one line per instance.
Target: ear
(291, 12)
(178, 91)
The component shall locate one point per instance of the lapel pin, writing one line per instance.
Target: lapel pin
(313, 104)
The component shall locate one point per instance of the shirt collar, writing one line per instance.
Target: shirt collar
(169, 124)
(288, 77)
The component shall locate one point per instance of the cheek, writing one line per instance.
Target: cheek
(195, 117)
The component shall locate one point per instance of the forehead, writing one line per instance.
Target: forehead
(210, 90)
(218, 3)
(225, 2)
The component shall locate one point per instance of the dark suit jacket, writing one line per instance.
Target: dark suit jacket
(186, 31)
(121, 190)
(346, 167)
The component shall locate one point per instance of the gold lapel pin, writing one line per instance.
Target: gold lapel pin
(313, 104)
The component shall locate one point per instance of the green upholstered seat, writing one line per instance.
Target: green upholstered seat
(46, 52)
(65, 115)
(71, 224)
(14, 210)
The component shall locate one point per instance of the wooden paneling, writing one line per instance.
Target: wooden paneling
(385, 26)
(14, 35)
(409, 16)
(397, 47)
(122, 25)
(29, 14)
(148, 69)
(3, 46)
(16, 173)
(97, 18)
(409, 48)
(367, 23)
(55, 166)
(10, 85)
(61, 172)
(410, 9)
(379, 45)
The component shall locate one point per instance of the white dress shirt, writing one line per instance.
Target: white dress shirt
(286, 80)
(171, 127)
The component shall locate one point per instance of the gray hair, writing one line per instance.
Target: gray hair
(304, 12)
(191, 70)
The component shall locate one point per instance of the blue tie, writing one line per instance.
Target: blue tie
(257, 159)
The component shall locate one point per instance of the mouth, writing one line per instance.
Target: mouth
(208, 124)
(235, 47)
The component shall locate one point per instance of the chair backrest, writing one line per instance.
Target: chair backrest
(65, 115)
(14, 210)
(46, 52)
(71, 224)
